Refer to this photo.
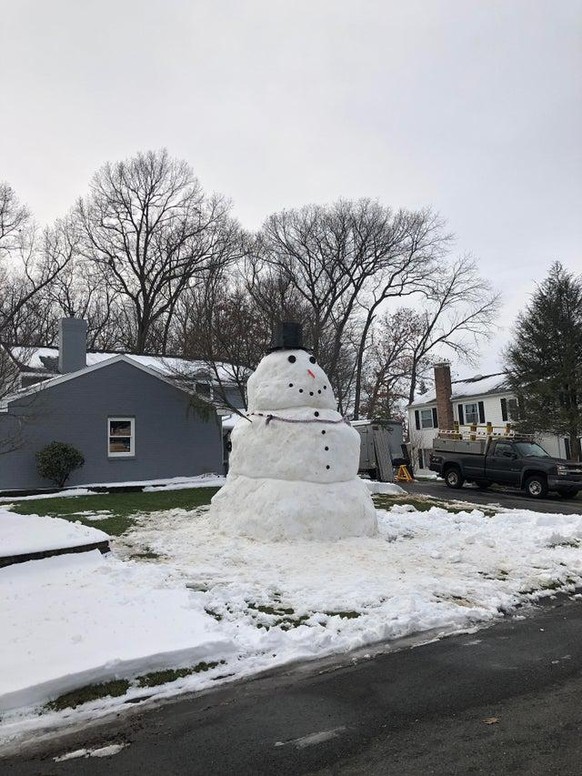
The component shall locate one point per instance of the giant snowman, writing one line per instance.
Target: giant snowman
(294, 460)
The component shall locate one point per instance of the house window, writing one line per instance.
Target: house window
(509, 409)
(203, 389)
(120, 437)
(471, 413)
(426, 419)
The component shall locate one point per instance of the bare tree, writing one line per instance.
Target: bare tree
(388, 364)
(322, 253)
(14, 217)
(29, 265)
(411, 249)
(26, 268)
(79, 292)
(224, 327)
(345, 260)
(150, 230)
(459, 312)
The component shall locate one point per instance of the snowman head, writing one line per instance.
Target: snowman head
(289, 378)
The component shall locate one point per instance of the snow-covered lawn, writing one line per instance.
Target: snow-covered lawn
(236, 606)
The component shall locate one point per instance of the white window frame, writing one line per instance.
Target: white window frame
(430, 424)
(476, 406)
(124, 419)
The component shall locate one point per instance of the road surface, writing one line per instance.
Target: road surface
(506, 497)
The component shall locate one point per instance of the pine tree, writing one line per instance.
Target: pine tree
(544, 360)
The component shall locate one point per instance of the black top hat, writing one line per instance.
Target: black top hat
(287, 335)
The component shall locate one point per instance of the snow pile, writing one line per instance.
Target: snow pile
(424, 570)
(294, 462)
(73, 620)
(23, 534)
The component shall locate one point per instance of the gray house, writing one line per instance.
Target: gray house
(130, 422)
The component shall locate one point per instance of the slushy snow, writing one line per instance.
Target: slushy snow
(293, 470)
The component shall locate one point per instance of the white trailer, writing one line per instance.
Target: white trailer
(381, 447)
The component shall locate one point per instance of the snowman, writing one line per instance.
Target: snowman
(293, 471)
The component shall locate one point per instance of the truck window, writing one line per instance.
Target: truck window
(531, 448)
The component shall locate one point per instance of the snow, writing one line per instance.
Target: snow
(479, 386)
(102, 751)
(287, 510)
(79, 619)
(168, 366)
(60, 494)
(293, 469)
(23, 534)
(73, 620)
(172, 483)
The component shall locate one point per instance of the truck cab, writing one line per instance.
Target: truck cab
(509, 459)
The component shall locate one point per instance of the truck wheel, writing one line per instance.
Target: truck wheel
(536, 486)
(453, 478)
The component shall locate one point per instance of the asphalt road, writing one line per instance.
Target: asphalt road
(496, 495)
(503, 700)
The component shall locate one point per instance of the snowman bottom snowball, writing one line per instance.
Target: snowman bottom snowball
(282, 510)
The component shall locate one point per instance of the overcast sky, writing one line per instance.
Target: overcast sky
(473, 107)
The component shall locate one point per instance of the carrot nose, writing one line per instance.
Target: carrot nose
(309, 372)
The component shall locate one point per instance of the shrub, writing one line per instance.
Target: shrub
(56, 462)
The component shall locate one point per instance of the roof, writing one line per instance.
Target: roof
(38, 360)
(479, 385)
(43, 385)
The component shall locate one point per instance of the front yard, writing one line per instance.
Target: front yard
(178, 605)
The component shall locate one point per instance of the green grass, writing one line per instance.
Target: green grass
(267, 617)
(118, 687)
(145, 555)
(171, 674)
(345, 615)
(121, 507)
(93, 692)
(425, 503)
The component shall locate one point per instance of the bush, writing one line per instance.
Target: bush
(56, 462)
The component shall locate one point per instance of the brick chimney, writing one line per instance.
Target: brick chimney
(442, 383)
(72, 345)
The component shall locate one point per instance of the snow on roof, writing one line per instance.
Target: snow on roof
(58, 379)
(31, 359)
(479, 385)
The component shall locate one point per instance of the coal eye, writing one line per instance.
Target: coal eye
(312, 359)
(292, 359)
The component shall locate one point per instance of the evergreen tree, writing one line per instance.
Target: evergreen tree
(544, 360)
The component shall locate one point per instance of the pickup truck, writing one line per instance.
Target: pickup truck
(519, 463)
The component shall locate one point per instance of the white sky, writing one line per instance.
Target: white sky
(471, 106)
